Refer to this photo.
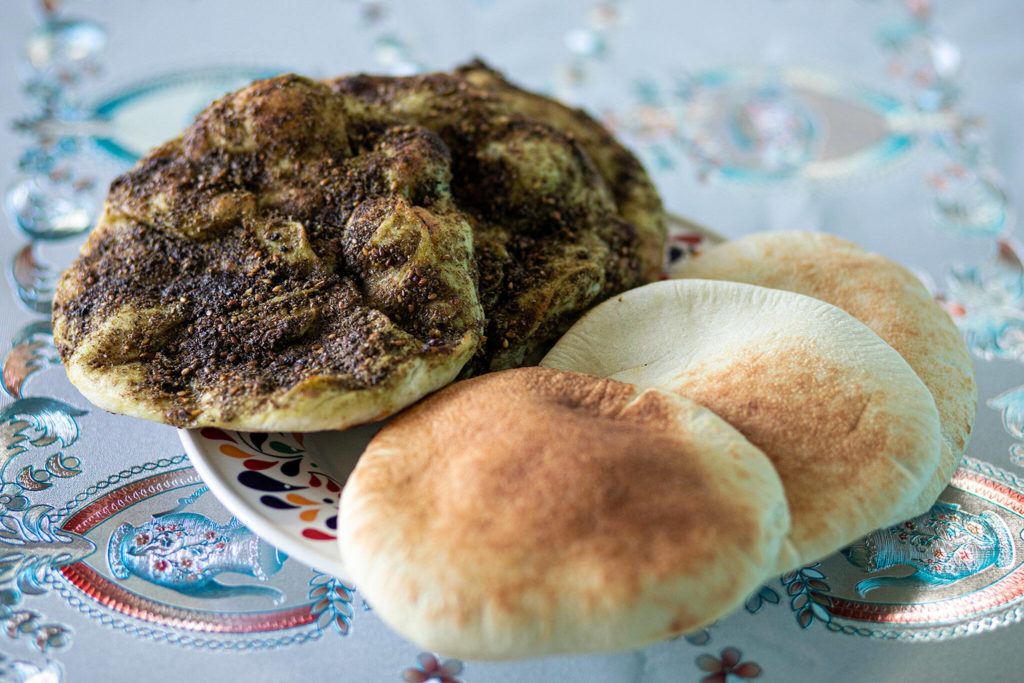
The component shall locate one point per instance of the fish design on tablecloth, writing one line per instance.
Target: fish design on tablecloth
(187, 551)
(944, 545)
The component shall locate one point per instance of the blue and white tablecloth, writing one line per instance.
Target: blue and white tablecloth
(894, 124)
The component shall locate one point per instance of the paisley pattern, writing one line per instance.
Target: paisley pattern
(30, 546)
(32, 350)
(34, 281)
(965, 558)
(944, 545)
(276, 467)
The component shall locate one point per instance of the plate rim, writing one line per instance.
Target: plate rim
(251, 517)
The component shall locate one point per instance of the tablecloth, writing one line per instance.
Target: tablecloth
(894, 124)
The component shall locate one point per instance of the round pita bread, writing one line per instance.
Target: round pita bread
(851, 430)
(533, 511)
(881, 294)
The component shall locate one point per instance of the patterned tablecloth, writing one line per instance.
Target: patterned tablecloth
(895, 124)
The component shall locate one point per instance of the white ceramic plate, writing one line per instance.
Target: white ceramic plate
(285, 487)
(282, 486)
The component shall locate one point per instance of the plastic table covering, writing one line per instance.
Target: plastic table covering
(894, 124)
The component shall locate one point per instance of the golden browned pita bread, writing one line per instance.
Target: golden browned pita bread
(877, 291)
(533, 511)
(851, 430)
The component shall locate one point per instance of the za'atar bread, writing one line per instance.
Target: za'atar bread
(534, 511)
(848, 425)
(312, 255)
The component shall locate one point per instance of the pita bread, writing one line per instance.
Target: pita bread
(533, 511)
(851, 430)
(881, 294)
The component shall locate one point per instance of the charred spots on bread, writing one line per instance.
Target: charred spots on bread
(345, 231)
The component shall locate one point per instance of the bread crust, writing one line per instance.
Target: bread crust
(533, 511)
(851, 430)
(880, 293)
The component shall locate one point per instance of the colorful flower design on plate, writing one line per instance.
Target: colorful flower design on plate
(284, 487)
(275, 465)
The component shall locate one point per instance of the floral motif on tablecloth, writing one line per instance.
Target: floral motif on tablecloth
(729, 662)
(759, 598)
(430, 668)
(987, 302)
(33, 424)
(29, 545)
(331, 602)
(29, 549)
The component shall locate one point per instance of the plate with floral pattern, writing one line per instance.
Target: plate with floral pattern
(285, 486)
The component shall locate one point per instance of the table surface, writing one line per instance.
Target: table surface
(894, 124)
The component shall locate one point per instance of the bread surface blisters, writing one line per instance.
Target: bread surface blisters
(312, 255)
